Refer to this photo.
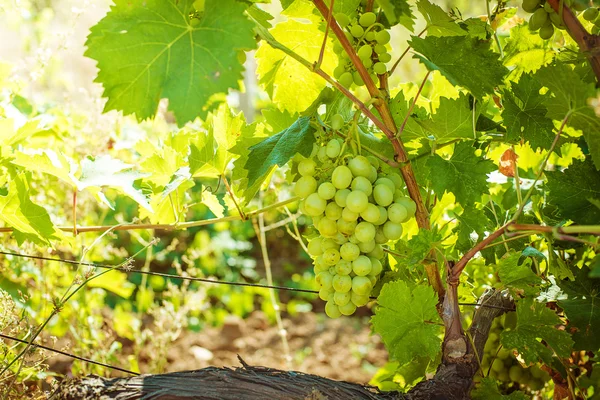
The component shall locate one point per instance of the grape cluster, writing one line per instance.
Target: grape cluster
(369, 39)
(544, 19)
(355, 208)
(505, 367)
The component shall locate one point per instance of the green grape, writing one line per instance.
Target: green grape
(538, 19)
(579, 5)
(372, 174)
(341, 299)
(349, 36)
(392, 230)
(194, 22)
(349, 215)
(365, 51)
(333, 148)
(337, 122)
(376, 266)
(322, 155)
(314, 205)
(380, 237)
(341, 195)
(366, 247)
(515, 373)
(359, 300)
(307, 167)
(370, 36)
(360, 166)
(546, 31)
(343, 267)
(341, 178)
(411, 206)
(530, 5)
(348, 308)
(367, 19)
(326, 190)
(497, 366)
(328, 243)
(380, 68)
(349, 251)
(377, 252)
(361, 285)
(327, 228)
(357, 31)
(346, 79)
(325, 280)
(199, 5)
(590, 14)
(548, 7)
(362, 184)
(373, 161)
(346, 227)
(315, 247)
(385, 57)
(396, 180)
(383, 216)
(342, 283)
(332, 310)
(365, 231)
(357, 201)
(387, 182)
(338, 48)
(368, 63)
(342, 19)
(305, 186)
(326, 294)
(382, 37)
(373, 279)
(337, 73)
(556, 21)
(358, 80)
(371, 213)
(397, 213)
(362, 266)
(380, 49)
(333, 211)
(383, 195)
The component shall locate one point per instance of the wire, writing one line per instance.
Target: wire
(69, 355)
(194, 279)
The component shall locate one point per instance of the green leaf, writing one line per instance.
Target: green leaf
(278, 149)
(48, 162)
(147, 50)
(452, 120)
(115, 282)
(291, 85)
(399, 107)
(251, 135)
(471, 221)
(30, 221)
(212, 202)
(105, 171)
(162, 165)
(534, 322)
(519, 278)
(397, 11)
(570, 94)
(466, 62)
(573, 190)
(464, 174)
(408, 322)
(526, 52)
(439, 23)
(582, 308)
(487, 389)
(524, 114)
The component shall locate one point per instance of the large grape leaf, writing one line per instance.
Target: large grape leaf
(30, 221)
(582, 308)
(147, 50)
(574, 190)
(48, 161)
(519, 278)
(466, 62)
(278, 149)
(291, 85)
(524, 114)
(535, 321)
(464, 174)
(526, 51)
(408, 322)
(570, 94)
(452, 120)
(251, 135)
(397, 11)
(439, 23)
(471, 222)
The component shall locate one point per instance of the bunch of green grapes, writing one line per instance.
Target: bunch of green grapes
(355, 208)
(369, 39)
(505, 367)
(544, 19)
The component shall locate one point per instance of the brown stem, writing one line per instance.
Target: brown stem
(322, 52)
(588, 43)
(75, 212)
(567, 230)
(404, 53)
(240, 211)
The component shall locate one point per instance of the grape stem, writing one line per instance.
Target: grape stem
(322, 52)
(412, 106)
(404, 54)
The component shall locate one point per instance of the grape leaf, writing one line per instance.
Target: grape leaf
(452, 120)
(30, 221)
(573, 190)
(517, 277)
(162, 165)
(582, 308)
(524, 114)
(397, 11)
(464, 174)
(212, 202)
(471, 221)
(526, 52)
(48, 161)
(348, 7)
(412, 129)
(570, 94)
(536, 321)
(487, 389)
(439, 23)
(251, 135)
(466, 62)
(284, 78)
(147, 49)
(407, 320)
(278, 149)
(105, 171)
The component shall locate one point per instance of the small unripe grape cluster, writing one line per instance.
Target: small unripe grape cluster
(544, 19)
(368, 37)
(355, 208)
